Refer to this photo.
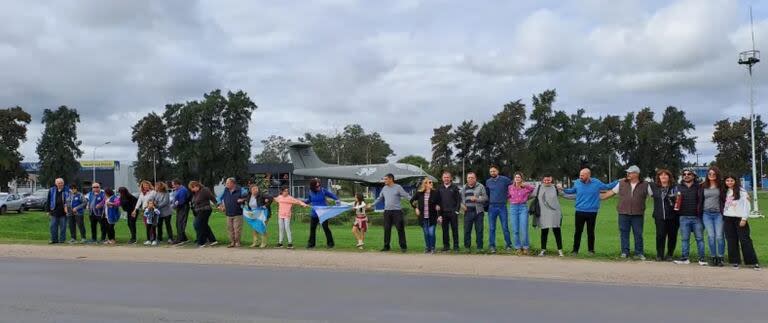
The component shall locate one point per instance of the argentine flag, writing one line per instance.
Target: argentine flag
(256, 218)
(327, 212)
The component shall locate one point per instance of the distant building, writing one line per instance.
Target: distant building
(110, 173)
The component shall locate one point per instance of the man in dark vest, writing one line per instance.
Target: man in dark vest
(632, 193)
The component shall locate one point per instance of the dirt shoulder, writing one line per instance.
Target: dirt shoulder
(549, 268)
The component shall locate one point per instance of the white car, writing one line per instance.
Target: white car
(11, 202)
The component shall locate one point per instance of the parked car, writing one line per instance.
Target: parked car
(11, 202)
(37, 200)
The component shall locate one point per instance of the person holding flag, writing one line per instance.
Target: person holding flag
(256, 211)
(317, 199)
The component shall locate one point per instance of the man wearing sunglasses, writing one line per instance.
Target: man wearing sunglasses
(690, 213)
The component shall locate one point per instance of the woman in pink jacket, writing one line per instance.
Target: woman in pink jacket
(518, 194)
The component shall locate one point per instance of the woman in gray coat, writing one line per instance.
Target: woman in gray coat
(551, 214)
(163, 203)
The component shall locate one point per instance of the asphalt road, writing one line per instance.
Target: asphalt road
(93, 291)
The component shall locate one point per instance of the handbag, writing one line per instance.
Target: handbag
(534, 208)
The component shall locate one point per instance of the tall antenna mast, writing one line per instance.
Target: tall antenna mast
(750, 58)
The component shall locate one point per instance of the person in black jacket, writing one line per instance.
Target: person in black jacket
(426, 203)
(663, 193)
(128, 204)
(450, 203)
(690, 217)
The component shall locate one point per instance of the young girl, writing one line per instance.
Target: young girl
(113, 214)
(151, 218)
(285, 203)
(735, 217)
(361, 220)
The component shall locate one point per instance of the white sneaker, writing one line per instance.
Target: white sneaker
(213, 243)
(703, 263)
(542, 253)
(170, 241)
(154, 243)
(560, 253)
(682, 262)
(146, 243)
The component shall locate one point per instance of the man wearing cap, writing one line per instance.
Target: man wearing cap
(632, 192)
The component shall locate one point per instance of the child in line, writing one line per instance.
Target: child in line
(151, 219)
(113, 214)
(361, 221)
(285, 204)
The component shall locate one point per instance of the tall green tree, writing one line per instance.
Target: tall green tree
(676, 139)
(353, 146)
(210, 149)
(733, 140)
(442, 152)
(58, 148)
(464, 141)
(13, 131)
(237, 117)
(182, 122)
(543, 142)
(415, 160)
(151, 138)
(501, 141)
(275, 150)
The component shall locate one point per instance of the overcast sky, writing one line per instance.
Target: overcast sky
(399, 67)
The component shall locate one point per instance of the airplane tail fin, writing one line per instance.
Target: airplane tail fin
(303, 156)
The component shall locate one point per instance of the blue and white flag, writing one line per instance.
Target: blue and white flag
(256, 218)
(327, 212)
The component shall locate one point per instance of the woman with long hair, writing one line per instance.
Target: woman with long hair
(202, 200)
(317, 197)
(550, 215)
(518, 194)
(663, 194)
(736, 213)
(146, 194)
(712, 202)
(128, 204)
(163, 203)
(426, 203)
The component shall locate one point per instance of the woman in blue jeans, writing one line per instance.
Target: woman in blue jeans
(518, 194)
(712, 199)
(426, 203)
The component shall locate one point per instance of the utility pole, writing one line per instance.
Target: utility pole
(750, 58)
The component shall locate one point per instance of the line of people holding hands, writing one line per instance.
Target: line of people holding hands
(717, 204)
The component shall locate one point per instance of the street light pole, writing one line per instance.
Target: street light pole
(93, 180)
(750, 58)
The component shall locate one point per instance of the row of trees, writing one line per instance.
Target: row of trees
(550, 141)
(351, 146)
(57, 149)
(208, 140)
(205, 140)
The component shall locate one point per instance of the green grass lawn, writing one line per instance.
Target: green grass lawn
(32, 227)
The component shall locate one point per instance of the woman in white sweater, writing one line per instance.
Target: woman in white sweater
(146, 194)
(736, 213)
